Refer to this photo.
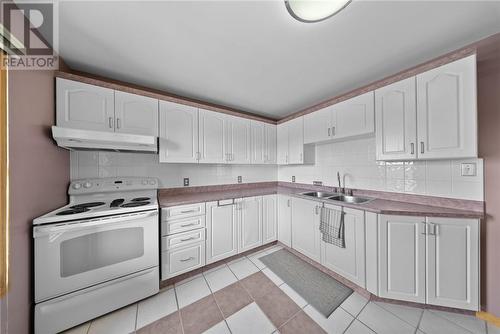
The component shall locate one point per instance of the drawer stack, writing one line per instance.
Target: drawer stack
(182, 239)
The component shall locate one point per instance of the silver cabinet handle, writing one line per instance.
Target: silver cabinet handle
(286, 158)
(329, 130)
(188, 259)
(187, 239)
(198, 156)
(424, 232)
(111, 122)
(301, 155)
(288, 202)
(412, 146)
(422, 147)
(316, 210)
(190, 224)
(333, 131)
(188, 211)
(118, 123)
(432, 229)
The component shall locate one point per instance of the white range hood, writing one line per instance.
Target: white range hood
(77, 139)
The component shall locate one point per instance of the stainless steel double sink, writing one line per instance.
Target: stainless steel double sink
(337, 197)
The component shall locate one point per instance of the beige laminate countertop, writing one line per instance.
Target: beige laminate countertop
(380, 206)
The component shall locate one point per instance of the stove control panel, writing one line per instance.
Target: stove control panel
(110, 184)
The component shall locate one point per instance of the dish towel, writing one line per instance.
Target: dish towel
(332, 227)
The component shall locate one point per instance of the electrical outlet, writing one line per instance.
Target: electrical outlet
(293, 178)
(468, 169)
(186, 181)
(240, 179)
(317, 183)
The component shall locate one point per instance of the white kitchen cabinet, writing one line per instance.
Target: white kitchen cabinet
(178, 133)
(282, 144)
(296, 141)
(136, 114)
(83, 106)
(305, 227)
(258, 142)
(181, 260)
(212, 137)
(270, 144)
(348, 262)
(318, 126)
(222, 230)
(354, 117)
(402, 258)
(285, 220)
(249, 223)
(396, 120)
(453, 263)
(238, 140)
(269, 218)
(447, 110)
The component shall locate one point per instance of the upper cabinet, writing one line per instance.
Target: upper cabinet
(258, 142)
(430, 116)
(349, 118)
(212, 137)
(136, 114)
(291, 149)
(83, 106)
(238, 140)
(178, 133)
(270, 144)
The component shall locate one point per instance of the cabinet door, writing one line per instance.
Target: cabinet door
(305, 227)
(212, 137)
(258, 144)
(269, 218)
(296, 140)
(178, 133)
(282, 144)
(447, 111)
(354, 117)
(250, 223)
(453, 263)
(83, 106)
(348, 262)
(270, 144)
(318, 126)
(222, 231)
(136, 114)
(285, 220)
(396, 121)
(402, 258)
(238, 138)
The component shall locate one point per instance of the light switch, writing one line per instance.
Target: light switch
(468, 169)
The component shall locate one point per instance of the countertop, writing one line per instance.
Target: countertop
(378, 205)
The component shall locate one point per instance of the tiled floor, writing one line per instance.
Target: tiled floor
(243, 296)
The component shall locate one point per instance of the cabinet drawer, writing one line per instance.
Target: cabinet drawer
(183, 211)
(182, 225)
(178, 261)
(182, 239)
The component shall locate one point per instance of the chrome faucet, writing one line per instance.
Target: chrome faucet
(340, 189)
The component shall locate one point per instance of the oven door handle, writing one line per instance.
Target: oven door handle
(41, 231)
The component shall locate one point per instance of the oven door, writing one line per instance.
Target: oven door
(80, 254)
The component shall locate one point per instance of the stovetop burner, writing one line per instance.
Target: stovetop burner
(72, 211)
(86, 205)
(140, 199)
(134, 204)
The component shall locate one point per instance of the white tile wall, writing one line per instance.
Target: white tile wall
(356, 159)
(111, 164)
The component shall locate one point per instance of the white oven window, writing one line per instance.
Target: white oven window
(100, 249)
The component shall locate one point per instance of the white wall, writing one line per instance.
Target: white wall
(356, 158)
(110, 164)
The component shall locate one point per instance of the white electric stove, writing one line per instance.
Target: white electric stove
(96, 254)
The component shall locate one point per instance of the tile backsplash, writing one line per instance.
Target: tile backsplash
(356, 160)
(109, 164)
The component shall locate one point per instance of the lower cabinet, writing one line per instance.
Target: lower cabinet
(430, 260)
(453, 262)
(349, 261)
(402, 258)
(285, 220)
(269, 218)
(249, 223)
(305, 227)
(222, 230)
(180, 260)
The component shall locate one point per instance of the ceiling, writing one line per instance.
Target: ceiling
(253, 56)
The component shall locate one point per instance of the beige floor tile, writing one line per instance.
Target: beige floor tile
(200, 316)
(232, 299)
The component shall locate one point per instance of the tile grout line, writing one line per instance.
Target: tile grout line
(136, 315)
(419, 321)
(397, 316)
(178, 309)
(450, 321)
(216, 303)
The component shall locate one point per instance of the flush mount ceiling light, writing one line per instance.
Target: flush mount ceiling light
(314, 10)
